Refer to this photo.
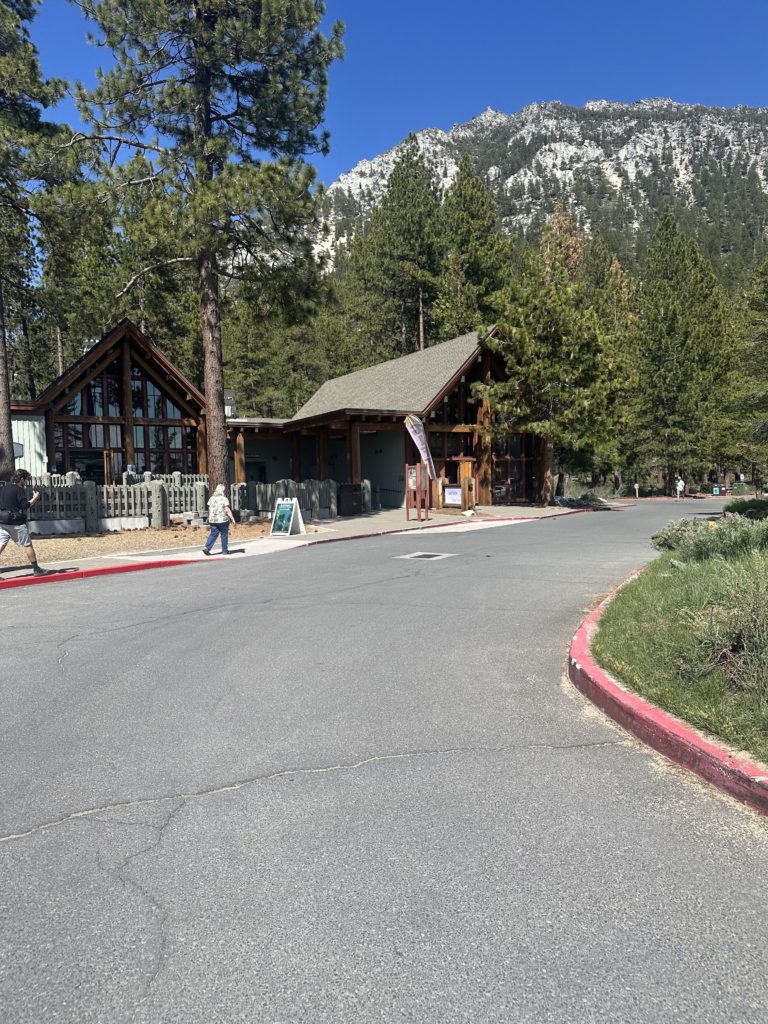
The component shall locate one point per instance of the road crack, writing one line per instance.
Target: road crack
(233, 787)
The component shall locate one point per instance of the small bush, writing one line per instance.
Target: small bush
(674, 534)
(730, 538)
(731, 637)
(755, 508)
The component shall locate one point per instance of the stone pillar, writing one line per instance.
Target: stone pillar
(159, 498)
(91, 507)
(201, 498)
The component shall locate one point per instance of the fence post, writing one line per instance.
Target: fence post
(72, 479)
(147, 478)
(176, 478)
(159, 498)
(201, 498)
(91, 507)
(367, 504)
(334, 494)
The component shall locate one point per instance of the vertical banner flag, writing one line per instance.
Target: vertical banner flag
(415, 428)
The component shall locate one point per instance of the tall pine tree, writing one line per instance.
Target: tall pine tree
(208, 91)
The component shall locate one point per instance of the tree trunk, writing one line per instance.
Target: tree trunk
(29, 370)
(216, 420)
(546, 477)
(6, 431)
(421, 320)
(561, 478)
(59, 350)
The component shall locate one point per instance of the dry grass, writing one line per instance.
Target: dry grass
(67, 548)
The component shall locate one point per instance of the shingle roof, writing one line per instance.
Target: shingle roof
(407, 384)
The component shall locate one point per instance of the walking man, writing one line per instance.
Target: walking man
(13, 517)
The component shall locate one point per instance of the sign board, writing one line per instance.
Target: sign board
(452, 495)
(286, 519)
(18, 450)
(411, 478)
(715, 490)
(415, 428)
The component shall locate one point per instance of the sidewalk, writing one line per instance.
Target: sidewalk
(346, 528)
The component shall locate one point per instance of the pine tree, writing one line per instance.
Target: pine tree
(685, 358)
(476, 255)
(557, 376)
(23, 96)
(220, 86)
(394, 261)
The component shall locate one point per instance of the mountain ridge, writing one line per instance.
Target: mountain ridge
(616, 165)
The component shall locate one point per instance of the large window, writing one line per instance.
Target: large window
(161, 442)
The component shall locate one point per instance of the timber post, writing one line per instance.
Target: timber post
(353, 438)
(127, 403)
(159, 498)
(239, 457)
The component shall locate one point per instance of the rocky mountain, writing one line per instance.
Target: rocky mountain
(615, 165)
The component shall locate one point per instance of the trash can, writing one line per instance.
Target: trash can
(350, 499)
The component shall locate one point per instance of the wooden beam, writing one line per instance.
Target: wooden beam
(355, 470)
(127, 390)
(50, 439)
(484, 494)
(296, 458)
(239, 457)
(321, 447)
(168, 386)
(82, 379)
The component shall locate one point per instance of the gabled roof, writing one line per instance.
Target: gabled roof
(409, 384)
(153, 355)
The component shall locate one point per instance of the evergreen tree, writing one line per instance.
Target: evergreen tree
(394, 262)
(685, 358)
(556, 368)
(476, 255)
(221, 86)
(23, 96)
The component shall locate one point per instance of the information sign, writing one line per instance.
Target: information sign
(452, 495)
(287, 519)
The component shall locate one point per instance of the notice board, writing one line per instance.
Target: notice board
(286, 519)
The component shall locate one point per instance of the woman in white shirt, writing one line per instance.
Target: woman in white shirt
(219, 518)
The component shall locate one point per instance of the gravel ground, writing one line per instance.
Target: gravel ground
(60, 549)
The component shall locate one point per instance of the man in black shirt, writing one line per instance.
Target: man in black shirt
(13, 500)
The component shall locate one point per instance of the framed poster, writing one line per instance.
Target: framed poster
(452, 495)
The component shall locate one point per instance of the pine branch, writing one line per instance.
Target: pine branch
(148, 270)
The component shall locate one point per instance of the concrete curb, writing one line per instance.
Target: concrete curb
(82, 574)
(742, 779)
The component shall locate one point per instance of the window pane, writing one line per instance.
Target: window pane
(115, 436)
(171, 412)
(138, 437)
(74, 406)
(138, 398)
(154, 402)
(175, 463)
(174, 437)
(454, 444)
(75, 435)
(58, 435)
(140, 462)
(437, 445)
(135, 371)
(94, 436)
(157, 437)
(113, 397)
(190, 437)
(157, 462)
(95, 398)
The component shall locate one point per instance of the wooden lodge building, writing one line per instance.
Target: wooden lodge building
(124, 404)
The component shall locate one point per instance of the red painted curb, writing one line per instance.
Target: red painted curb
(744, 780)
(81, 574)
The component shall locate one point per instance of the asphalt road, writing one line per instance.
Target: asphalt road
(333, 785)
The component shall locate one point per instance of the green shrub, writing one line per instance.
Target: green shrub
(754, 508)
(730, 538)
(730, 637)
(671, 536)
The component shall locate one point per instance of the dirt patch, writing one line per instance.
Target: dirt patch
(67, 548)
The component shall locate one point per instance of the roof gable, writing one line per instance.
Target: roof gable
(162, 366)
(408, 384)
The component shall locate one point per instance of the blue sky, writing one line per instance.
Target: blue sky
(433, 63)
